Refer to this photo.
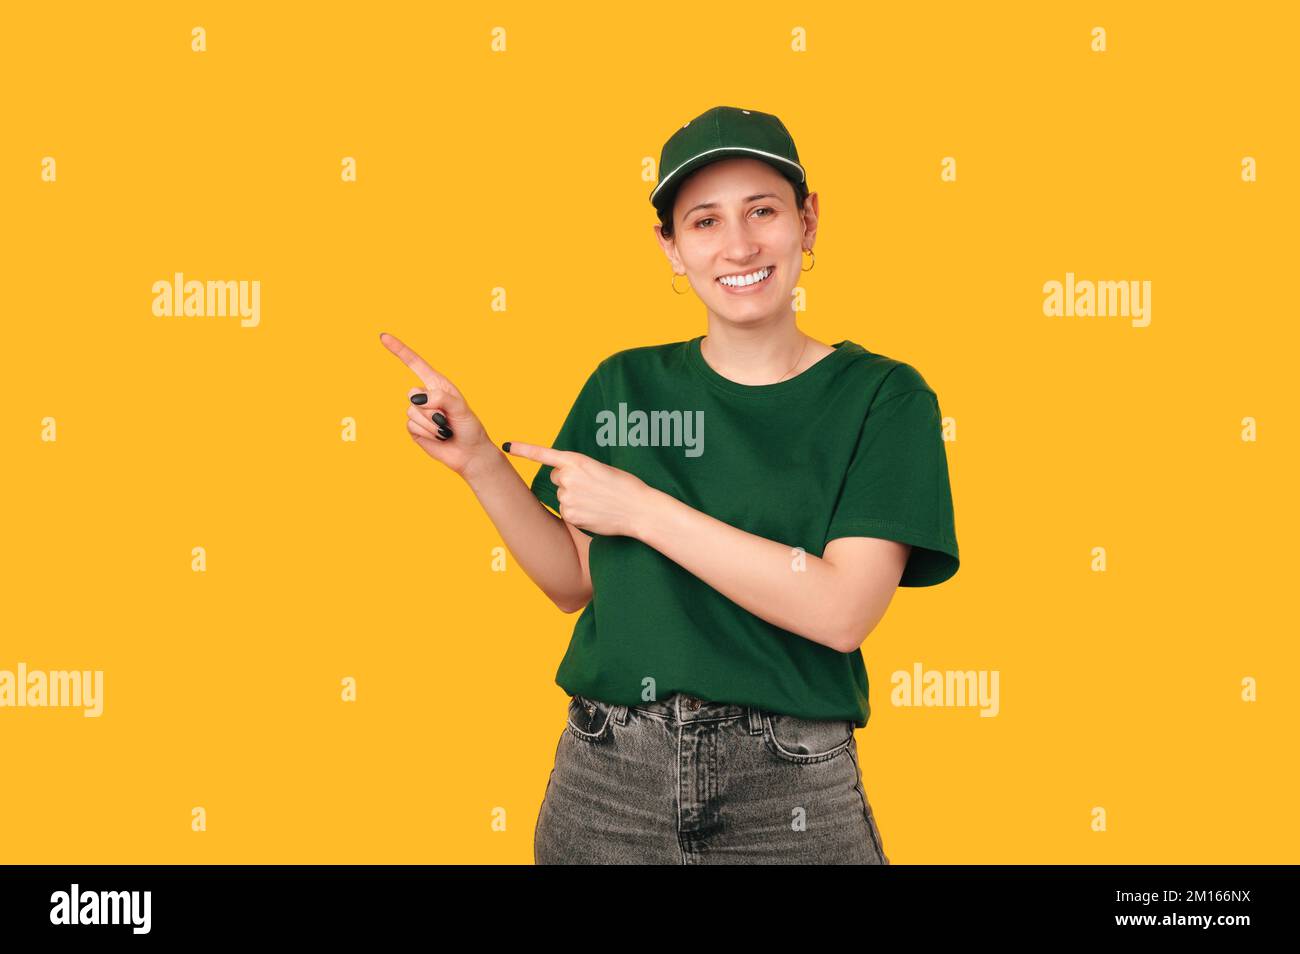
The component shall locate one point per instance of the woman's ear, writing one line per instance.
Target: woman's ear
(810, 216)
(668, 245)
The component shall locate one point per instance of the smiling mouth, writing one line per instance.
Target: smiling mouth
(766, 271)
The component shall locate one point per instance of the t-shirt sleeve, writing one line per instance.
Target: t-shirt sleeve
(578, 433)
(897, 484)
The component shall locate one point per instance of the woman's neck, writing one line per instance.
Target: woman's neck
(760, 356)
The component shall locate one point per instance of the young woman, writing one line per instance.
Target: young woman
(732, 516)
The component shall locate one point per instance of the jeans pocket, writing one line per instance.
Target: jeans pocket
(803, 741)
(588, 719)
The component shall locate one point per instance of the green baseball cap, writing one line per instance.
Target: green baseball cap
(721, 133)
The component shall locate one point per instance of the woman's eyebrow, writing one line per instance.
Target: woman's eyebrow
(748, 198)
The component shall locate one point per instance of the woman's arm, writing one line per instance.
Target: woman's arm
(541, 543)
(441, 422)
(835, 600)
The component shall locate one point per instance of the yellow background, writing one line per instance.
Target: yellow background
(523, 170)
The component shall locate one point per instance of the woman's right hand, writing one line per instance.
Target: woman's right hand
(469, 445)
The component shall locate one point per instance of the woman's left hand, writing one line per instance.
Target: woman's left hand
(592, 495)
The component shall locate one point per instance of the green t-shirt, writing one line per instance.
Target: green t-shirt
(852, 446)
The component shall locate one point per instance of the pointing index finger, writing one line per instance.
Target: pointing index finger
(537, 452)
(412, 360)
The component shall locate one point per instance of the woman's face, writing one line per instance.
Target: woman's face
(737, 217)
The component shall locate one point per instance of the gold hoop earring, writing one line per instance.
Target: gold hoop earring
(674, 284)
(814, 261)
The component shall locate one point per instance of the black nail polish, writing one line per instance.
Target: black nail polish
(439, 437)
(439, 419)
(444, 432)
(506, 447)
(419, 399)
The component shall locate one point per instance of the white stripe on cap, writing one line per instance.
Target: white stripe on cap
(803, 176)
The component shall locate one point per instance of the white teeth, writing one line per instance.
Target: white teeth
(740, 281)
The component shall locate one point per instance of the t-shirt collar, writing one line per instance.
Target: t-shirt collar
(801, 381)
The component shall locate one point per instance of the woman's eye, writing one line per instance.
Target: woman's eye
(764, 208)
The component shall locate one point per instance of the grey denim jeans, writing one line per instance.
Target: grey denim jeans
(684, 781)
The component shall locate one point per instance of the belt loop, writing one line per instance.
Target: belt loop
(755, 720)
(620, 714)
